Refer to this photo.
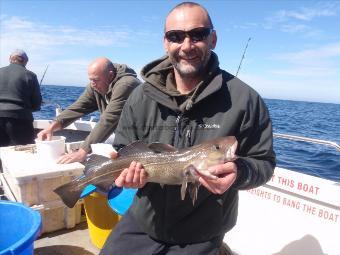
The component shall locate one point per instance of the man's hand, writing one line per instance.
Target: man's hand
(77, 156)
(132, 177)
(45, 134)
(226, 174)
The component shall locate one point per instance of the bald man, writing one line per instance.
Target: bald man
(187, 99)
(110, 86)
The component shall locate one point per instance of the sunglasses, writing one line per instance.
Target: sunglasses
(196, 35)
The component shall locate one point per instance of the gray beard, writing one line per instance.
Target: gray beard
(190, 72)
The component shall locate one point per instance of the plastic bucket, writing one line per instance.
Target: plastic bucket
(19, 227)
(103, 211)
(120, 199)
(51, 150)
(100, 218)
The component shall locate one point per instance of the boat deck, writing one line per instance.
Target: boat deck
(75, 241)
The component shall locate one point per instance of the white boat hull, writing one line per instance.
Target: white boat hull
(293, 214)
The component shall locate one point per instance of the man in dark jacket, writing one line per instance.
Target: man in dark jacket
(187, 99)
(19, 97)
(110, 86)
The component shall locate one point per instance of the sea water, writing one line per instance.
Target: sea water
(308, 119)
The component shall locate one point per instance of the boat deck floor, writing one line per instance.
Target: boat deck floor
(75, 241)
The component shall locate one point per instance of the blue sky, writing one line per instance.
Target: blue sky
(294, 52)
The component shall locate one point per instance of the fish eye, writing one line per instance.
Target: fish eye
(216, 146)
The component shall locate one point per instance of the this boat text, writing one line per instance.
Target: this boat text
(305, 206)
(298, 185)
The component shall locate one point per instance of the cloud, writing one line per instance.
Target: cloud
(322, 53)
(322, 61)
(152, 19)
(246, 25)
(304, 71)
(293, 28)
(326, 9)
(311, 75)
(43, 35)
(287, 87)
(306, 14)
(66, 49)
(295, 21)
(73, 72)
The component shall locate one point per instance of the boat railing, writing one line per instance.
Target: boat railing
(306, 139)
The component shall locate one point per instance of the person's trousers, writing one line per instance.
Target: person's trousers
(128, 239)
(16, 131)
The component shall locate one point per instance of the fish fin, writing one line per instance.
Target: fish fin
(193, 191)
(230, 153)
(69, 193)
(161, 147)
(184, 188)
(94, 162)
(133, 148)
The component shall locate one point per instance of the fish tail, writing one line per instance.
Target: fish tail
(68, 194)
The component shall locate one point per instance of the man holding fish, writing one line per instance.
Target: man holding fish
(187, 100)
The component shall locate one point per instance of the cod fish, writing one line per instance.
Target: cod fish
(163, 164)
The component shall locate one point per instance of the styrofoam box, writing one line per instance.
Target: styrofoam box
(31, 179)
(56, 216)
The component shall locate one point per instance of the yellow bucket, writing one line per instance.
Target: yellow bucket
(101, 219)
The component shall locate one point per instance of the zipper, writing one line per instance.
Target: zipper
(178, 133)
(177, 130)
(188, 138)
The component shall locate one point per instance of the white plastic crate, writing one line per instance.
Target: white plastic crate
(31, 180)
(56, 216)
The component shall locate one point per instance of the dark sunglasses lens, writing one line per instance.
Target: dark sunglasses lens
(175, 36)
(196, 35)
(200, 34)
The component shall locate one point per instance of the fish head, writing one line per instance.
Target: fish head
(211, 153)
(225, 146)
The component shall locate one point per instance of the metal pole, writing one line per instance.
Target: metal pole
(306, 139)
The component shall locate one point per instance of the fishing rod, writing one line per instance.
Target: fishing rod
(244, 53)
(43, 75)
(50, 102)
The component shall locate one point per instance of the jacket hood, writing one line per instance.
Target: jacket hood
(122, 71)
(159, 76)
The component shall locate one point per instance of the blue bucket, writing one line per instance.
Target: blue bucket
(19, 227)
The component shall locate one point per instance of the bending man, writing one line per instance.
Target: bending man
(110, 86)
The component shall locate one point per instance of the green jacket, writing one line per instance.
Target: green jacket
(222, 105)
(110, 106)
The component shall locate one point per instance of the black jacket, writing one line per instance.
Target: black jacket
(19, 92)
(222, 105)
